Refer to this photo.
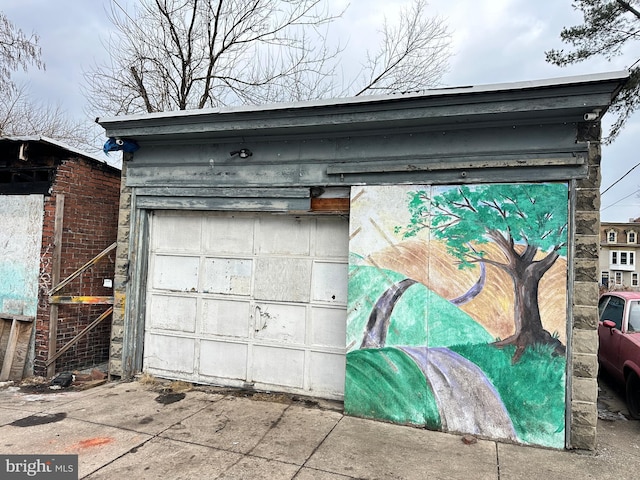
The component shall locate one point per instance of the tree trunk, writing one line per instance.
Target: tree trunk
(526, 275)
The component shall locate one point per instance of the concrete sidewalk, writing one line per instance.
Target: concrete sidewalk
(133, 430)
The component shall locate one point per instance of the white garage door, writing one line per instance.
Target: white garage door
(248, 300)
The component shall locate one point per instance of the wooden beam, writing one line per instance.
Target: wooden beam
(75, 339)
(15, 354)
(55, 278)
(80, 300)
(93, 261)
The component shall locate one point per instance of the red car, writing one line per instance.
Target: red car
(619, 335)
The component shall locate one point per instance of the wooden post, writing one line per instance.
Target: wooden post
(55, 278)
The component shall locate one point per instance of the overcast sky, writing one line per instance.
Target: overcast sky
(494, 41)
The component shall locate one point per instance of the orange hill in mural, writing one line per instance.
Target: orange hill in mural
(429, 263)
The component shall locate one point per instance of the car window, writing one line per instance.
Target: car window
(634, 317)
(613, 310)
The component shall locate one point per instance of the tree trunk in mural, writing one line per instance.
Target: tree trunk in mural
(526, 275)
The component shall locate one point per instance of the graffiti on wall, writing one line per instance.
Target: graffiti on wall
(457, 309)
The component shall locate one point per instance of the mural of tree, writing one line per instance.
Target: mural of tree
(528, 225)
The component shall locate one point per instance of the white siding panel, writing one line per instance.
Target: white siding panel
(283, 235)
(172, 313)
(223, 359)
(175, 273)
(228, 276)
(278, 366)
(173, 354)
(330, 282)
(226, 318)
(282, 279)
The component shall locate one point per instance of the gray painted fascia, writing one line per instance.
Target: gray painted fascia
(547, 101)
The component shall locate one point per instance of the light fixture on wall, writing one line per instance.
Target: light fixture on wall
(242, 153)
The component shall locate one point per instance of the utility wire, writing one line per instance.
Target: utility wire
(618, 201)
(630, 170)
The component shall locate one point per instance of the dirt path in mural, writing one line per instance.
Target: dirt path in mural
(467, 401)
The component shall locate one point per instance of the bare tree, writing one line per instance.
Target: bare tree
(186, 54)
(17, 50)
(414, 53)
(21, 114)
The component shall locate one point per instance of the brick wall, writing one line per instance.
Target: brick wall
(91, 192)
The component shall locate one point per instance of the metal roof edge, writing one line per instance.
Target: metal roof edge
(619, 76)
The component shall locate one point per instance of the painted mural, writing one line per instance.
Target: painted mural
(457, 309)
(20, 244)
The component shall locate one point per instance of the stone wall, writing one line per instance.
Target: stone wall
(584, 346)
(121, 276)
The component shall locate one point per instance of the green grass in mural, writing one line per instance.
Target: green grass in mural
(418, 307)
(533, 390)
(386, 384)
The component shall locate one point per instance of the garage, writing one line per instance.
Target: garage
(248, 300)
(378, 250)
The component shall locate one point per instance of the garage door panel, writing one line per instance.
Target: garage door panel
(283, 235)
(223, 359)
(233, 235)
(175, 273)
(283, 323)
(331, 239)
(328, 327)
(177, 232)
(330, 282)
(278, 366)
(282, 279)
(226, 318)
(256, 299)
(172, 313)
(327, 372)
(175, 354)
(229, 276)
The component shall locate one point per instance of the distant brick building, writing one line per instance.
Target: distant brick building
(619, 250)
(59, 210)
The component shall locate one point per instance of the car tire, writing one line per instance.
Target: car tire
(633, 395)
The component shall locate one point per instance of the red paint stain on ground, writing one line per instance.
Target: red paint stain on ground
(92, 442)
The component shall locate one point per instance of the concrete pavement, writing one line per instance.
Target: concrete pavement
(142, 431)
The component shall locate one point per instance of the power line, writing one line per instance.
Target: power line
(618, 201)
(630, 170)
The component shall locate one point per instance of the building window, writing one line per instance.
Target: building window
(634, 279)
(618, 278)
(631, 237)
(605, 279)
(623, 257)
(612, 236)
